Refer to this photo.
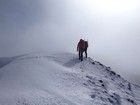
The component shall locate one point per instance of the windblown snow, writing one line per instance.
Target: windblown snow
(61, 79)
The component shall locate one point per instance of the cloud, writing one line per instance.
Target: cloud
(17, 17)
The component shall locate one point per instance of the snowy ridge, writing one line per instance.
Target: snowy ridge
(61, 79)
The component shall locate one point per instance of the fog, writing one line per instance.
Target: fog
(111, 27)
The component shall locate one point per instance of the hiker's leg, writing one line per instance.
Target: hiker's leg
(79, 55)
(82, 51)
(86, 52)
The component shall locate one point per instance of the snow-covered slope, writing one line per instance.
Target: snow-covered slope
(61, 79)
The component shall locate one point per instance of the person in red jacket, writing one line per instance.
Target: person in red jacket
(80, 48)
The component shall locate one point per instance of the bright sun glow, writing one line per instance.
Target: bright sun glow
(113, 6)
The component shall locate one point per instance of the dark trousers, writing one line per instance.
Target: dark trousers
(85, 50)
(81, 55)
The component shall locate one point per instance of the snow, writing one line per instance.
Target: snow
(61, 79)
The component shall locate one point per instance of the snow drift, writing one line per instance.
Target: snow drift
(61, 79)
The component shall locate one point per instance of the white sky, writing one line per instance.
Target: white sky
(112, 28)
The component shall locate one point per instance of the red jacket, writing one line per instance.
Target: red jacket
(81, 45)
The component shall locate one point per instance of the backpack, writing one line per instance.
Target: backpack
(81, 44)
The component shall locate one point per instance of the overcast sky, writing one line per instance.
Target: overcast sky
(112, 28)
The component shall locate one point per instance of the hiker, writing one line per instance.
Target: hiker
(80, 48)
(85, 48)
